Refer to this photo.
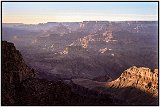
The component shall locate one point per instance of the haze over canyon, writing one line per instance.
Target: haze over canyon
(80, 63)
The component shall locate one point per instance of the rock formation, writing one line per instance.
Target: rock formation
(107, 35)
(14, 63)
(20, 87)
(84, 42)
(142, 79)
(135, 86)
(14, 70)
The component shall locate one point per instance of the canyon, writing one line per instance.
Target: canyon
(80, 63)
(20, 86)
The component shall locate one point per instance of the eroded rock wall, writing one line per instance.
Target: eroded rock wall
(141, 78)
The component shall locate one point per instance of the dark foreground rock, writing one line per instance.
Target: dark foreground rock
(20, 87)
(14, 71)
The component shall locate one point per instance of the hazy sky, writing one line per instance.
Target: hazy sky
(42, 12)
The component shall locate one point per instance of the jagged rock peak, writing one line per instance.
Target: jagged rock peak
(13, 62)
(141, 78)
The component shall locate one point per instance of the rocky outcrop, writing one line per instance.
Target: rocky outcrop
(136, 86)
(20, 87)
(14, 70)
(14, 63)
(142, 79)
(107, 35)
(84, 42)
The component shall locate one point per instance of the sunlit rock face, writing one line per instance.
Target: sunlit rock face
(65, 51)
(108, 35)
(84, 42)
(141, 78)
(103, 50)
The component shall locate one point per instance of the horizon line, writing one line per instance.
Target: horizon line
(75, 21)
